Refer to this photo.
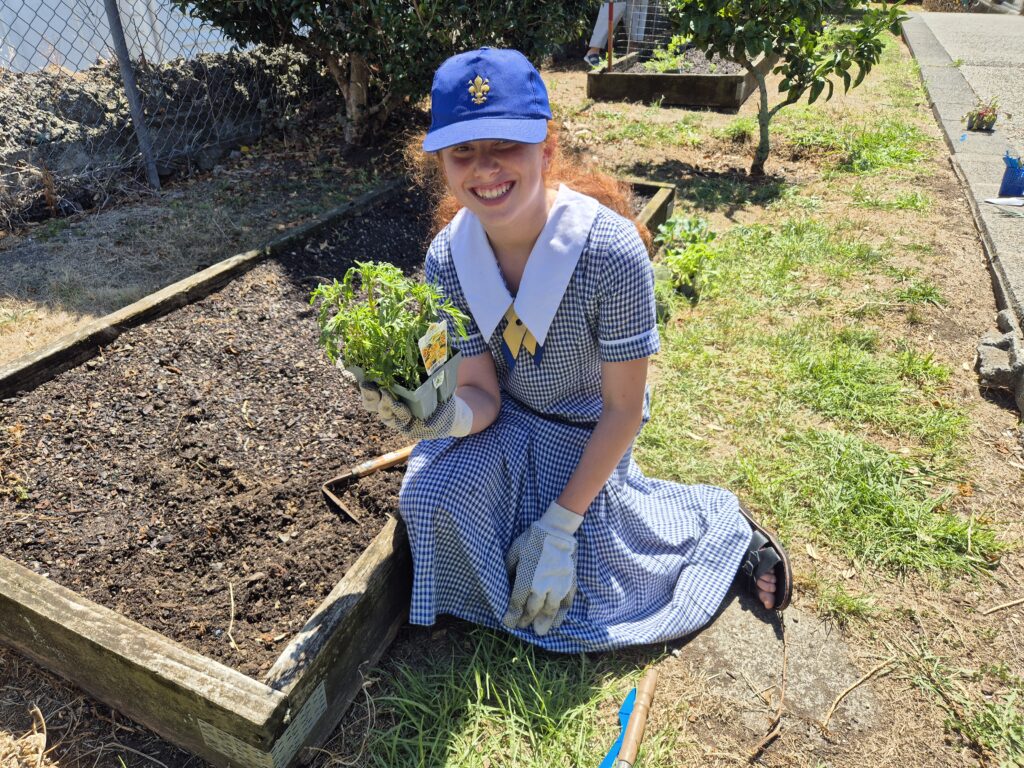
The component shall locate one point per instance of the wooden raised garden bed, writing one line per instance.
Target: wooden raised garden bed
(717, 91)
(224, 406)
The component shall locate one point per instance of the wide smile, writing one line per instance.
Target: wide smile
(493, 194)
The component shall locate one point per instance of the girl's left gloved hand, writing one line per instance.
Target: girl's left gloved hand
(543, 560)
(454, 418)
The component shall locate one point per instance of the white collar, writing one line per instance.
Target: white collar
(548, 269)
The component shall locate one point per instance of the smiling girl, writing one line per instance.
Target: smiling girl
(524, 507)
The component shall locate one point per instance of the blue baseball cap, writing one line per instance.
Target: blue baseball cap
(490, 93)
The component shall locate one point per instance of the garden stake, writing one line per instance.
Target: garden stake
(352, 474)
(611, 27)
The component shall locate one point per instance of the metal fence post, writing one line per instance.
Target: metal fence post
(132, 92)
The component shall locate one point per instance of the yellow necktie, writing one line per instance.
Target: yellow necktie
(517, 335)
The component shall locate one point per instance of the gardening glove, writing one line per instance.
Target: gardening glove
(453, 418)
(543, 559)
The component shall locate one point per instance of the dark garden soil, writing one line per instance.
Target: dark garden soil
(694, 62)
(180, 470)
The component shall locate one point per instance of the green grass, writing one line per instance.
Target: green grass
(646, 133)
(919, 292)
(713, 193)
(854, 386)
(490, 700)
(858, 145)
(876, 146)
(912, 200)
(834, 429)
(836, 604)
(741, 130)
(868, 503)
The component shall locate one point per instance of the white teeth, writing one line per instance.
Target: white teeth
(491, 194)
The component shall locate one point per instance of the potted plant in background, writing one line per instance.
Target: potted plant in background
(383, 327)
(983, 116)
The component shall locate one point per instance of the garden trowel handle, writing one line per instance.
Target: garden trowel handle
(638, 720)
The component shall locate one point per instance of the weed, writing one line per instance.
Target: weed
(713, 193)
(646, 133)
(741, 130)
(919, 292)
(688, 255)
(920, 369)
(50, 229)
(840, 606)
(913, 200)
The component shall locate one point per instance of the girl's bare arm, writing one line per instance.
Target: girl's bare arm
(478, 386)
(622, 388)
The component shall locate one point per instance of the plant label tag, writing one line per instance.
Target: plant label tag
(438, 380)
(434, 347)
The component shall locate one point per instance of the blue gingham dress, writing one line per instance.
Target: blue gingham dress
(655, 558)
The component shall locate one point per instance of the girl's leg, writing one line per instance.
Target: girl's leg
(599, 40)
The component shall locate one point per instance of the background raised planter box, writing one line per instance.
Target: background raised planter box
(674, 90)
(202, 705)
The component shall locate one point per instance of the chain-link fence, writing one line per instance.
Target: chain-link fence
(68, 139)
(635, 27)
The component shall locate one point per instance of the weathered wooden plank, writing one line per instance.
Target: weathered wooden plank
(677, 89)
(33, 369)
(152, 679)
(659, 208)
(350, 630)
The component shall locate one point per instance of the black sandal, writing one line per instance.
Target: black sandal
(765, 553)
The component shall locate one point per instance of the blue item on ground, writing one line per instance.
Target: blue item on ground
(1013, 177)
(624, 712)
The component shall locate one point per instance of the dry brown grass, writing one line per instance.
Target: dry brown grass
(58, 275)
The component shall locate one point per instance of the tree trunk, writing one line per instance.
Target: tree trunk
(763, 117)
(356, 95)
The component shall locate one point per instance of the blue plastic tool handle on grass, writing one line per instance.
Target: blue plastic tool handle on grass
(624, 712)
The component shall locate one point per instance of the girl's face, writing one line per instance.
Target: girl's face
(502, 182)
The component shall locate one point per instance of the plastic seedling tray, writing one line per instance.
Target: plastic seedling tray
(423, 400)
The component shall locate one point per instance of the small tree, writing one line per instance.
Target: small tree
(812, 46)
(381, 52)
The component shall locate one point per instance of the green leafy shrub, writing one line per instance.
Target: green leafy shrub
(688, 255)
(383, 53)
(374, 318)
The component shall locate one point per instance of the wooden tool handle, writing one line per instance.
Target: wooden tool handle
(638, 720)
(382, 462)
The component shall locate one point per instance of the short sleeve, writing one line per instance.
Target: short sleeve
(627, 321)
(440, 271)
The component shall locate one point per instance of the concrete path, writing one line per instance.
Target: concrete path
(965, 57)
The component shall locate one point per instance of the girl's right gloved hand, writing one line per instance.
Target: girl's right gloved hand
(454, 418)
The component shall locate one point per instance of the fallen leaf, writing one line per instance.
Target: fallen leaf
(812, 552)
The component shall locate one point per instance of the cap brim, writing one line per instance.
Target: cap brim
(494, 129)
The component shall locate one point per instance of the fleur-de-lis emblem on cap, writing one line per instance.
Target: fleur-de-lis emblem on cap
(478, 88)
